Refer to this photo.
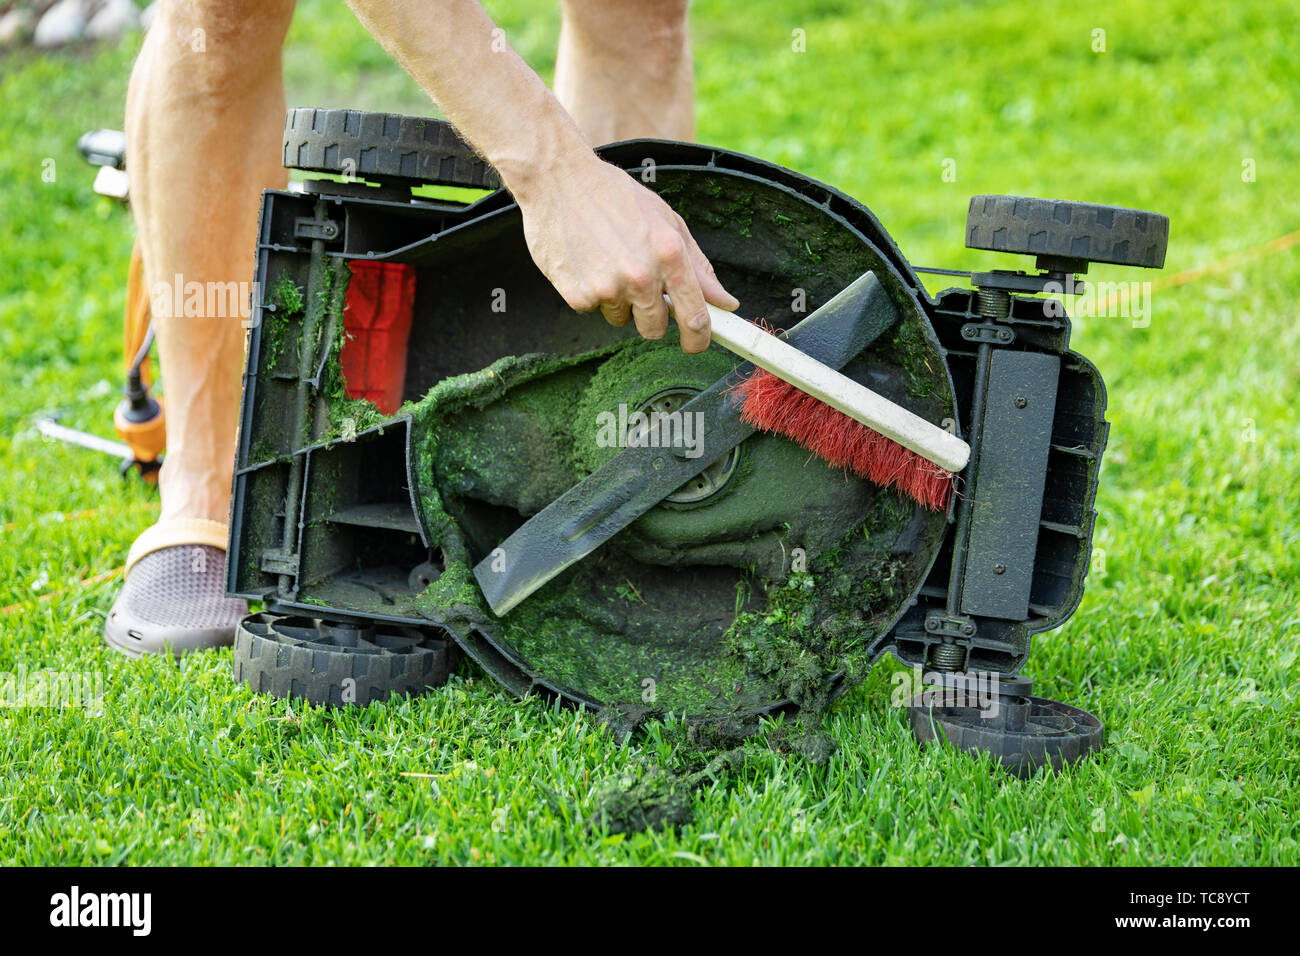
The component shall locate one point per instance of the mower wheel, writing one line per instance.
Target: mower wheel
(338, 663)
(1080, 232)
(384, 148)
(1027, 733)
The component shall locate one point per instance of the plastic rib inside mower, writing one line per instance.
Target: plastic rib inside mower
(419, 402)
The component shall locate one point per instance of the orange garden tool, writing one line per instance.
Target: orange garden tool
(138, 418)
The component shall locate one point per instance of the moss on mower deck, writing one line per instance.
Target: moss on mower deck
(609, 637)
(632, 376)
(704, 201)
(909, 347)
(342, 414)
(345, 415)
(555, 625)
(287, 298)
(823, 619)
(452, 451)
(785, 637)
(442, 451)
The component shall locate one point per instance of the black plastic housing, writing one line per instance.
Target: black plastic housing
(291, 476)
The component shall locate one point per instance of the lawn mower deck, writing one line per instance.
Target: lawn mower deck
(765, 581)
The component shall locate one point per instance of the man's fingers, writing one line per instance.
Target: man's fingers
(688, 307)
(715, 294)
(651, 317)
(693, 340)
(708, 279)
(616, 313)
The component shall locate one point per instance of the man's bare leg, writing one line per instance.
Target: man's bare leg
(205, 117)
(624, 69)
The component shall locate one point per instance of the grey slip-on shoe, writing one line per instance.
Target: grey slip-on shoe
(174, 598)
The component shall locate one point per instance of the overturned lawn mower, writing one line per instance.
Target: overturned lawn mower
(436, 452)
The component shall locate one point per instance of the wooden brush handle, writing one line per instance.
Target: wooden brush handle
(838, 391)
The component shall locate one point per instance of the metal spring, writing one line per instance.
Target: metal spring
(947, 657)
(995, 303)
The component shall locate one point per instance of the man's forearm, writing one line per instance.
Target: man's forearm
(603, 240)
(455, 53)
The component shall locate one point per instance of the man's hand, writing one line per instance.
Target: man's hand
(606, 242)
(603, 239)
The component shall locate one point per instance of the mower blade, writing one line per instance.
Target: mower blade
(636, 479)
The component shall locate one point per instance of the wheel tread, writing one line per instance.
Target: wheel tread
(384, 147)
(316, 672)
(1072, 230)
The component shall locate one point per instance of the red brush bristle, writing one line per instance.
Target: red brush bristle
(774, 405)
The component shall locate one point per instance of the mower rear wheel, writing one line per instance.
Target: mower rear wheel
(337, 663)
(1061, 230)
(385, 148)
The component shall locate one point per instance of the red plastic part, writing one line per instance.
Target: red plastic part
(377, 325)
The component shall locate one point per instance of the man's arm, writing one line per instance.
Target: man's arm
(601, 238)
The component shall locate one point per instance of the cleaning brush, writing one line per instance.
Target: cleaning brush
(844, 423)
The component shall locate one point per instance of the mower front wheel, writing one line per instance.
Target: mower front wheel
(1071, 232)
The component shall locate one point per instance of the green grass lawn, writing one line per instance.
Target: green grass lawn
(1186, 641)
